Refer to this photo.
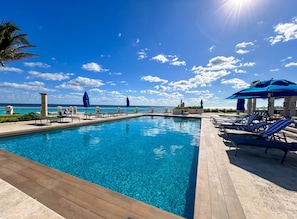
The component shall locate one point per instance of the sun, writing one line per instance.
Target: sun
(235, 9)
(238, 2)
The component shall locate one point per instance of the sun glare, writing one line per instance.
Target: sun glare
(238, 2)
(235, 9)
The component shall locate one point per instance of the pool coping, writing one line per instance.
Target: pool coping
(215, 193)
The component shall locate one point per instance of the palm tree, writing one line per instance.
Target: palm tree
(12, 44)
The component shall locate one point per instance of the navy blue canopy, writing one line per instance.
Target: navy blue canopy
(127, 102)
(266, 89)
(240, 105)
(86, 100)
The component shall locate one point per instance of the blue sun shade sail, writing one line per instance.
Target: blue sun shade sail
(86, 100)
(266, 89)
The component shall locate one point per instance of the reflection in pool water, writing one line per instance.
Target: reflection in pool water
(152, 159)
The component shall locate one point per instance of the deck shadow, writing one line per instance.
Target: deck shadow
(267, 165)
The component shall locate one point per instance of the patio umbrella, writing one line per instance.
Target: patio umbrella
(127, 102)
(271, 89)
(86, 100)
(201, 103)
(240, 105)
(267, 89)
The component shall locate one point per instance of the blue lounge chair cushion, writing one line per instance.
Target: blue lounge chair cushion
(265, 134)
(238, 141)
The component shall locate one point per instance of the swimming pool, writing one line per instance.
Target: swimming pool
(151, 159)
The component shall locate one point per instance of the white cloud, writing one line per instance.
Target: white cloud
(10, 69)
(218, 67)
(162, 88)
(160, 58)
(142, 54)
(291, 64)
(35, 85)
(200, 80)
(111, 83)
(285, 32)
(50, 76)
(247, 64)
(240, 71)
(175, 62)
(172, 59)
(236, 83)
(216, 64)
(92, 66)
(241, 51)
(182, 85)
(80, 82)
(131, 91)
(204, 79)
(285, 59)
(274, 70)
(153, 79)
(244, 45)
(36, 64)
(149, 92)
(211, 48)
(97, 90)
(115, 92)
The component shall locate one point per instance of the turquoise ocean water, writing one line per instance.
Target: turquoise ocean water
(52, 108)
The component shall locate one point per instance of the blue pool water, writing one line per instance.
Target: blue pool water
(152, 159)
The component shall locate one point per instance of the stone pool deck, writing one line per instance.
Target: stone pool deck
(251, 185)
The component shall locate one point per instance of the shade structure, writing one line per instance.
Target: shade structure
(86, 101)
(127, 102)
(266, 89)
(240, 105)
(201, 103)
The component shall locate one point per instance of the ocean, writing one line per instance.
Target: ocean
(52, 108)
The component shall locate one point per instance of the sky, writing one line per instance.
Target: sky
(155, 52)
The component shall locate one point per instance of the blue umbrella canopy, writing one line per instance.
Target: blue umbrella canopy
(266, 89)
(86, 100)
(127, 102)
(240, 105)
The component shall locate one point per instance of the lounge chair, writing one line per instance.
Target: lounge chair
(66, 115)
(270, 132)
(238, 141)
(217, 120)
(254, 128)
(242, 124)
